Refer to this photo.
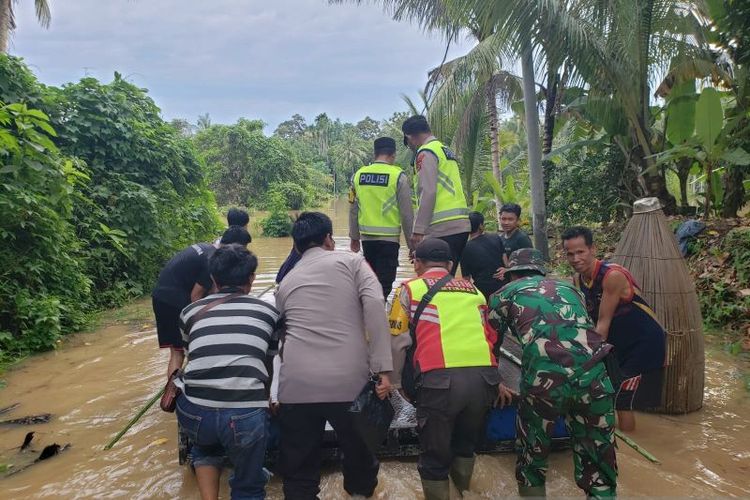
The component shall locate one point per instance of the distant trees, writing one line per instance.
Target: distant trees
(243, 163)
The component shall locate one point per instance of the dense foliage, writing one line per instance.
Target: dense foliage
(97, 193)
(725, 299)
(243, 162)
(278, 223)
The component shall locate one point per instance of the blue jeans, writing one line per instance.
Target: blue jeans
(239, 434)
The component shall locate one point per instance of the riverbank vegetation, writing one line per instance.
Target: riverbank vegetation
(97, 191)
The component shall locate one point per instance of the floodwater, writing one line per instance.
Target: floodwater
(97, 381)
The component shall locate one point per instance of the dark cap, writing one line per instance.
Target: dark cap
(433, 250)
(384, 143)
(526, 259)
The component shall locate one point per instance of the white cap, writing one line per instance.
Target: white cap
(645, 205)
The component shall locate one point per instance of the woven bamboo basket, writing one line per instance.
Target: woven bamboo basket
(648, 248)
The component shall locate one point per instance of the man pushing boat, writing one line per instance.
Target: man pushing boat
(562, 374)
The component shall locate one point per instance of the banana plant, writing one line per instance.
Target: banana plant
(707, 144)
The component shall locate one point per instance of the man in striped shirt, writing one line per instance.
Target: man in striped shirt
(231, 339)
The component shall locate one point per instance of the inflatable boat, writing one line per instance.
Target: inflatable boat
(402, 439)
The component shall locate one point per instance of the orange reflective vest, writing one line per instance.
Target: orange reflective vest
(453, 331)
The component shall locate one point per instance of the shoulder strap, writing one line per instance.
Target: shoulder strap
(204, 310)
(426, 299)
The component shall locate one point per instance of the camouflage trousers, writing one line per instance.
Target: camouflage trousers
(587, 404)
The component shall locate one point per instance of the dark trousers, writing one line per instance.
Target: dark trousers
(457, 242)
(302, 430)
(383, 258)
(452, 407)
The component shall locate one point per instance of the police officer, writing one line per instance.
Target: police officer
(453, 366)
(380, 199)
(562, 374)
(439, 194)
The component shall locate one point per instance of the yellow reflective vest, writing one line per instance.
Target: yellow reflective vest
(450, 201)
(453, 331)
(375, 187)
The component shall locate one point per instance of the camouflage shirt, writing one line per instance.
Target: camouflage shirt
(550, 320)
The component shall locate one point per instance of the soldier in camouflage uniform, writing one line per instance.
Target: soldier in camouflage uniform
(562, 374)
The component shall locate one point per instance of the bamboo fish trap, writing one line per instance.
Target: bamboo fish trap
(649, 250)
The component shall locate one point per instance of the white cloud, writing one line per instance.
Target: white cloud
(255, 58)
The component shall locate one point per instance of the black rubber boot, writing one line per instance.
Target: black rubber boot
(461, 470)
(532, 491)
(436, 490)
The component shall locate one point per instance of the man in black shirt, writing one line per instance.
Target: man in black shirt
(183, 280)
(482, 257)
(512, 236)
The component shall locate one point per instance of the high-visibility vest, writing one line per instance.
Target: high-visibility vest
(452, 331)
(450, 201)
(376, 186)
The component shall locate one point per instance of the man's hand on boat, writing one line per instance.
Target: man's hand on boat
(504, 396)
(384, 386)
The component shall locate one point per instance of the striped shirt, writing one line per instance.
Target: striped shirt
(227, 351)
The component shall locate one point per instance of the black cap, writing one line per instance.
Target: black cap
(384, 143)
(433, 250)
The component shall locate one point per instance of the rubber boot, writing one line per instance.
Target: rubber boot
(436, 490)
(461, 471)
(532, 491)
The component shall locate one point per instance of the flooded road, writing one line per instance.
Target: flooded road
(97, 381)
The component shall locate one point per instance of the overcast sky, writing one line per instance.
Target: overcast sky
(264, 59)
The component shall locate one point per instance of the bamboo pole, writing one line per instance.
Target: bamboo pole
(135, 419)
(266, 290)
(636, 447)
(153, 400)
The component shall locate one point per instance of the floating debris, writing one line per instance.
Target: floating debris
(9, 408)
(29, 420)
(27, 440)
(50, 451)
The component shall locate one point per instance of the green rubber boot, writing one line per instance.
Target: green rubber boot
(461, 471)
(436, 490)
(532, 491)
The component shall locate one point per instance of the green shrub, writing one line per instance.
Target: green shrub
(44, 289)
(584, 188)
(278, 223)
(737, 243)
(292, 193)
(97, 192)
(722, 302)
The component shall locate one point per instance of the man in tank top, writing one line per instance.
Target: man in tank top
(624, 318)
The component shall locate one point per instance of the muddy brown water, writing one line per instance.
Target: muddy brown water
(96, 382)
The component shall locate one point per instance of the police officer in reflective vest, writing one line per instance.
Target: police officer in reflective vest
(439, 194)
(380, 199)
(454, 366)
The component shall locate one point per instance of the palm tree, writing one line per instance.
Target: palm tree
(480, 17)
(461, 96)
(8, 20)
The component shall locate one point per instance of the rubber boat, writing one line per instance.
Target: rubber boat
(402, 440)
